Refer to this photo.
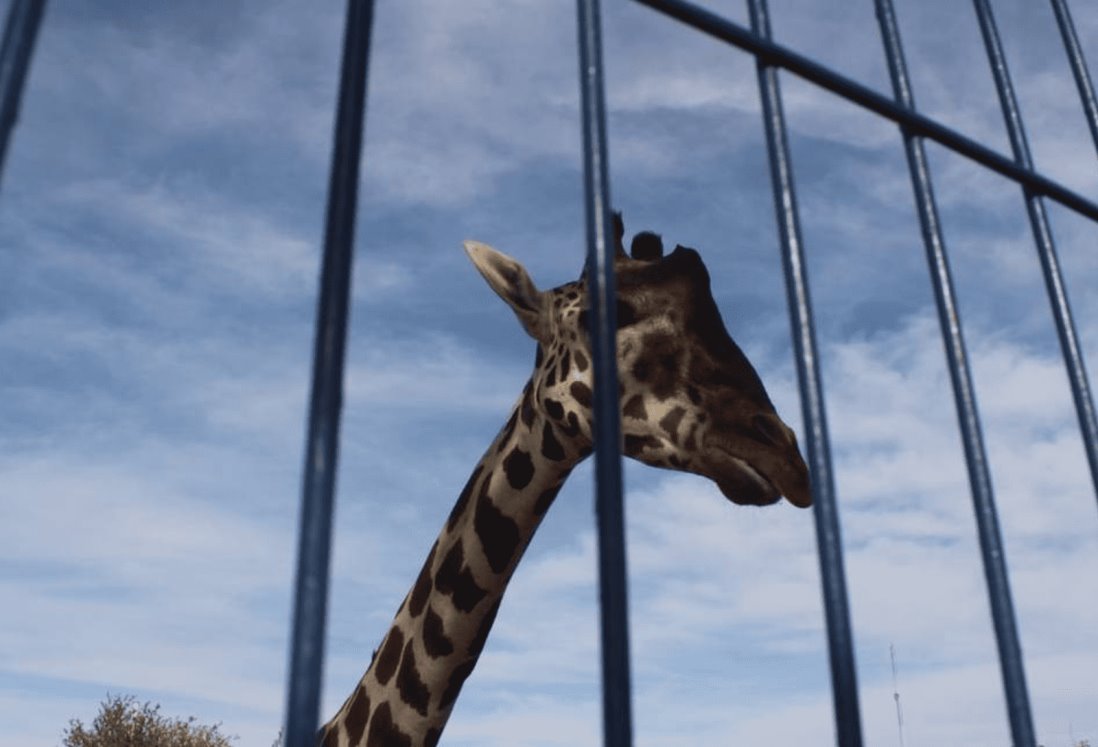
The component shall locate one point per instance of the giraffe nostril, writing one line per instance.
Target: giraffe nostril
(770, 430)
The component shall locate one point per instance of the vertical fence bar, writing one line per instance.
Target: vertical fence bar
(844, 685)
(20, 33)
(1078, 66)
(991, 545)
(616, 699)
(322, 444)
(1046, 247)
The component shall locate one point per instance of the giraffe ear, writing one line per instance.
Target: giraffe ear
(511, 282)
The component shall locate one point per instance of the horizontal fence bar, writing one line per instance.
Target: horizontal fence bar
(322, 442)
(1078, 66)
(20, 33)
(609, 507)
(964, 394)
(777, 55)
(1045, 244)
(844, 685)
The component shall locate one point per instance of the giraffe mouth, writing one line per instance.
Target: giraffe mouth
(747, 486)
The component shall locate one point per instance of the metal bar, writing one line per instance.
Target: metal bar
(20, 33)
(1046, 246)
(844, 685)
(616, 699)
(1078, 66)
(979, 476)
(779, 56)
(322, 445)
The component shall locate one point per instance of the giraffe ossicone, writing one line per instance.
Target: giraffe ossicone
(690, 401)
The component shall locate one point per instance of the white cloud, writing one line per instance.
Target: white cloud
(181, 80)
(128, 582)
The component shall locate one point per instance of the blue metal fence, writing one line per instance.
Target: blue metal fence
(306, 656)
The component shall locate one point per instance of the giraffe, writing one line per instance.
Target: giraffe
(690, 401)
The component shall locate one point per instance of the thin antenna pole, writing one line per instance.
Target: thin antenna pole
(896, 694)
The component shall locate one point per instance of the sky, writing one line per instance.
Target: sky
(160, 218)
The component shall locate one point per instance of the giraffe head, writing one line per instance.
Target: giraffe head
(690, 399)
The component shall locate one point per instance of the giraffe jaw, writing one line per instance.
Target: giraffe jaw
(745, 485)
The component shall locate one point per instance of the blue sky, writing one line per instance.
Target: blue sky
(160, 216)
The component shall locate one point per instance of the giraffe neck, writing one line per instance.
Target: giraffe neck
(410, 687)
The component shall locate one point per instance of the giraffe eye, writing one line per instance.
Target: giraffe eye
(627, 315)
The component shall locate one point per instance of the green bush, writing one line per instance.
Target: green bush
(121, 722)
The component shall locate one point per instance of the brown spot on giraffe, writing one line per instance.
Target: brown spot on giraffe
(508, 430)
(691, 443)
(545, 500)
(635, 408)
(456, 580)
(550, 446)
(418, 598)
(670, 423)
(527, 408)
(383, 732)
(387, 660)
(435, 641)
(554, 409)
(463, 499)
(519, 468)
(658, 366)
(581, 393)
(498, 533)
(581, 361)
(411, 687)
(357, 715)
(457, 679)
(476, 645)
(634, 445)
(572, 426)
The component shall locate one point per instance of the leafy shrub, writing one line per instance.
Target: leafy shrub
(121, 722)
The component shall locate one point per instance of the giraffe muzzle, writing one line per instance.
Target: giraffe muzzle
(746, 484)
